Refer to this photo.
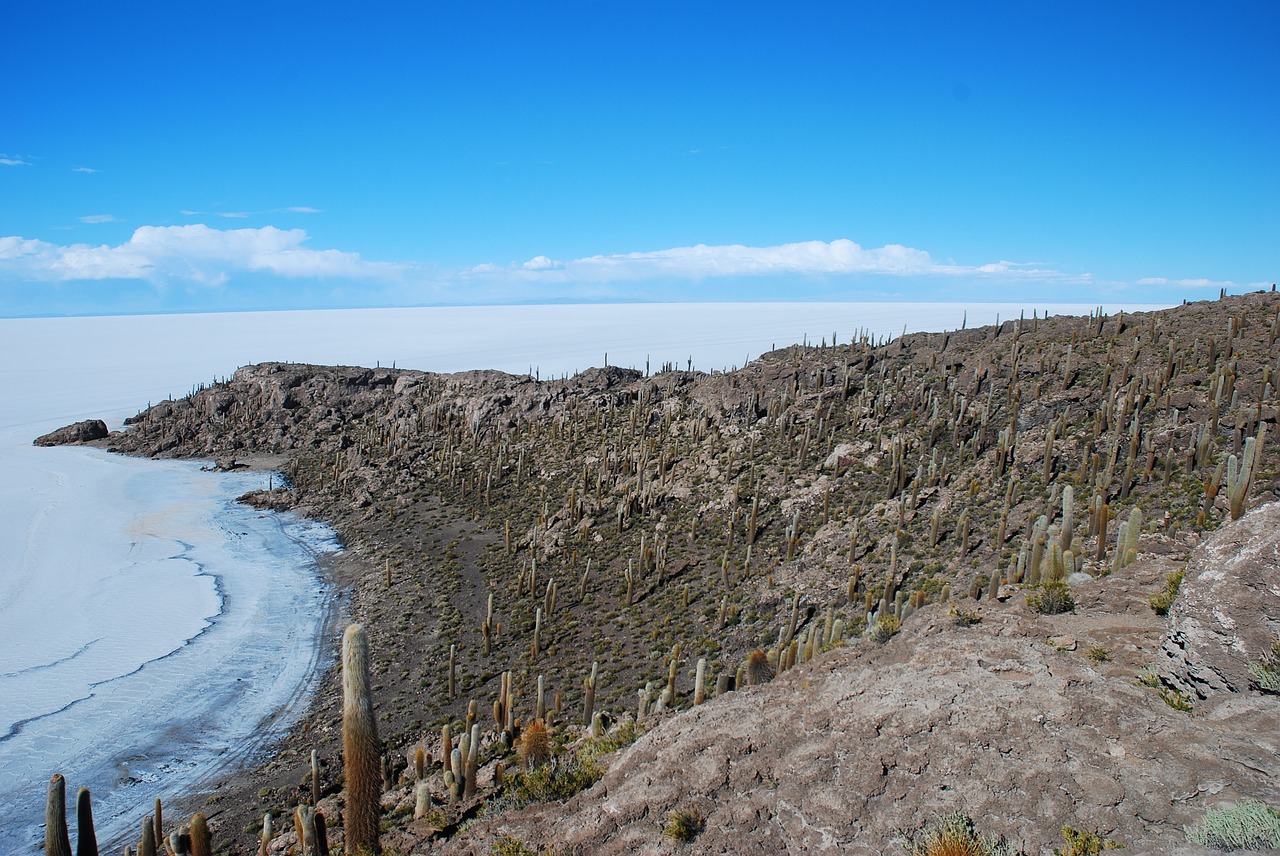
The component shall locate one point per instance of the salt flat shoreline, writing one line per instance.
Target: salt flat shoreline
(238, 772)
(212, 721)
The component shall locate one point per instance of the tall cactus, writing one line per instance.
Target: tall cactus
(589, 695)
(147, 844)
(1240, 473)
(315, 777)
(1068, 517)
(56, 840)
(361, 749)
(758, 669)
(159, 824)
(86, 837)
(201, 838)
(264, 841)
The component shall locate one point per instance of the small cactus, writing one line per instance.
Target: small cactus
(758, 670)
(535, 745)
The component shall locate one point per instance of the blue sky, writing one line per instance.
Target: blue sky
(286, 155)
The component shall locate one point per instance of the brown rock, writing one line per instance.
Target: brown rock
(80, 432)
(1228, 611)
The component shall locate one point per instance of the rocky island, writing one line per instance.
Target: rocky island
(1022, 579)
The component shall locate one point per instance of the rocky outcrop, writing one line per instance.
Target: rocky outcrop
(81, 432)
(1009, 721)
(1228, 611)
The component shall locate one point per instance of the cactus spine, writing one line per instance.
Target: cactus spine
(361, 750)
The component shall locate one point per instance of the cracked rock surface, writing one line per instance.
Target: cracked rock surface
(1228, 611)
(1009, 721)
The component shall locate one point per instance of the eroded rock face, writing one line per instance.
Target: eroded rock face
(1022, 734)
(1228, 611)
(80, 432)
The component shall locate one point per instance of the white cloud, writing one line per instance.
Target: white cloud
(1187, 283)
(13, 160)
(98, 218)
(302, 209)
(841, 257)
(194, 253)
(541, 263)
(234, 215)
(85, 169)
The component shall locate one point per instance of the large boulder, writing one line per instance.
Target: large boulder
(80, 432)
(1228, 611)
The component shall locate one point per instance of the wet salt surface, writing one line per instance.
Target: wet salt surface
(155, 634)
(169, 634)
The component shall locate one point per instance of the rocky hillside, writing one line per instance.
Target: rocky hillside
(1026, 722)
(665, 526)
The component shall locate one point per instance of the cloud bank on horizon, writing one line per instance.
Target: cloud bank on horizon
(195, 254)
(179, 262)
(841, 257)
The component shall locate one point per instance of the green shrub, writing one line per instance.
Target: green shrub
(964, 617)
(1149, 677)
(1082, 842)
(508, 846)
(626, 733)
(684, 825)
(954, 835)
(1097, 654)
(1176, 700)
(554, 782)
(1162, 600)
(1266, 674)
(1248, 825)
(886, 626)
(1052, 598)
